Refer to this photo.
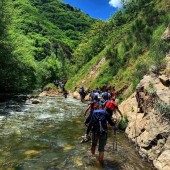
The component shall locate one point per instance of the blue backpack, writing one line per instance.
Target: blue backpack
(99, 121)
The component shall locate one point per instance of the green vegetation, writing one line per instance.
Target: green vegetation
(131, 45)
(43, 40)
(50, 86)
(159, 105)
(123, 123)
(35, 43)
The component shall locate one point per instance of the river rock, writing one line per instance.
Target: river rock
(35, 101)
(76, 95)
(31, 153)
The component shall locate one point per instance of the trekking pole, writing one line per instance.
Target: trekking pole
(115, 135)
(114, 138)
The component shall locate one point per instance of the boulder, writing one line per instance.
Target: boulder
(76, 95)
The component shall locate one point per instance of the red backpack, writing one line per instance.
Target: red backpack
(111, 105)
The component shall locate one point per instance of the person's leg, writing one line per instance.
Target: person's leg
(94, 142)
(102, 143)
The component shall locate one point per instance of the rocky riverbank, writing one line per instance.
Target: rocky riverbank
(149, 118)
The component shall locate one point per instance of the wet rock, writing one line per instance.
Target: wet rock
(31, 153)
(68, 147)
(76, 95)
(35, 101)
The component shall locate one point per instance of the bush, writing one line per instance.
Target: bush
(163, 108)
(123, 123)
(49, 86)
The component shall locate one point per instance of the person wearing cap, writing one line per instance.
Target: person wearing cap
(111, 106)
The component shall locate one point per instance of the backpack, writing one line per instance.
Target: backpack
(111, 105)
(100, 122)
(94, 105)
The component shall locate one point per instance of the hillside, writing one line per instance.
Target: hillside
(129, 44)
(38, 38)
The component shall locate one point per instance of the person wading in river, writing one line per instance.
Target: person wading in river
(111, 106)
(91, 107)
(98, 124)
(82, 93)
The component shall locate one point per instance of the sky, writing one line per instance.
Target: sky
(100, 9)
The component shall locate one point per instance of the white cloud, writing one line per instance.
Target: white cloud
(115, 3)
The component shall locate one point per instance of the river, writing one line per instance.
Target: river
(47, 135)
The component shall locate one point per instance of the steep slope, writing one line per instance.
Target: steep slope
(130, 42)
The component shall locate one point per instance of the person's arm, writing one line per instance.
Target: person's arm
(86, 110)
(108, 118)
(104, 104)
(89, 126)
(88, 129)
(117, 109)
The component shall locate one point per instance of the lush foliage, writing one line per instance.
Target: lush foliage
(37, 39)
(123, 123)
(43, 40)
(130, 42)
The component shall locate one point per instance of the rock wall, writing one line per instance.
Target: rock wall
(148, 111)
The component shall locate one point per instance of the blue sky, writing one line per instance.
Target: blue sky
(100, 9)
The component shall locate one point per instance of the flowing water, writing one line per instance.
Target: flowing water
(46, 136)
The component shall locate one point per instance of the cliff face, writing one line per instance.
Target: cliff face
(148, 111)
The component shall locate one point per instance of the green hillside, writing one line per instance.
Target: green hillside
(129, 43)
(43, 40)
(37, 39)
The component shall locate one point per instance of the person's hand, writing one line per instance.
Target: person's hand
(114, 120)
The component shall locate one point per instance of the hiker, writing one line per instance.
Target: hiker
(82, 93)
(65, 93)
(91, 107)
(106, 95)
(56, 83)
(98, 124)
(112, 94)
(96, 94)
(62, 86)
(91, 95)
(111, 106)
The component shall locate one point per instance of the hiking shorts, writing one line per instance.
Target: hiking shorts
(99, 138)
